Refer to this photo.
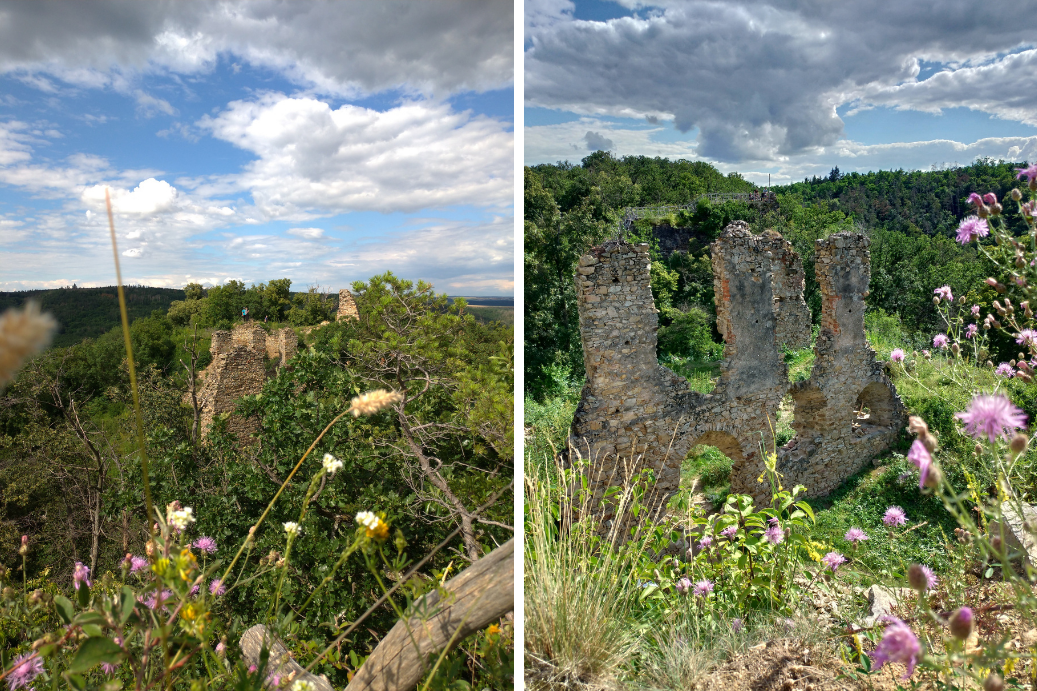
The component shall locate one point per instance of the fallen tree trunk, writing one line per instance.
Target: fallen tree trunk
(478, 596)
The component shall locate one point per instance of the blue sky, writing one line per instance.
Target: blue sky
(789, 89)
(257, 140)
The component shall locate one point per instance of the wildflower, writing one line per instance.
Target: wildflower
(961, 623)
(736, 624)
(24, 549)
(703, 587)
(109, 668)
(898, 644)
(774, 534)
(23, 333)
(1027, 337)
(303, 685)
(975, 310)
(194, 589)
(940, 341)
(919, 455)
(729, 532)
(855, 535)
(705, 542)
(975, 199)
(375, 526)
(684, 585)
(833, 560)
(492, 630)
(894, 516)
(373, 401)
(221, 648)
(926, 354)
(205, 544)
(971, 228)
(990, 198)
(25, 671)
(331, 464)
(971, 330)
(897, 355)
(921, 577)
(292, 529)
(216, 587)
(993, 416)
(81, 575)
(181, 518)
(138, 563)
(1005, 370)
(944, 292)
(1029, 173)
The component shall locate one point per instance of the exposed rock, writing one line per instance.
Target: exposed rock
(346, 306)
(882, 600)
(1020, 530)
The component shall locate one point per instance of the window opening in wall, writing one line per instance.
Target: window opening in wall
(702, 375)
(873, 410)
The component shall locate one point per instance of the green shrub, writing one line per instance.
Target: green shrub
(689, 335)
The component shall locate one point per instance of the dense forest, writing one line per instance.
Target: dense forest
(910, 217)
(71, 480)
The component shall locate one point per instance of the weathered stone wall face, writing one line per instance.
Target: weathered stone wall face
(237, 369)
(634, 413)
(346, 306)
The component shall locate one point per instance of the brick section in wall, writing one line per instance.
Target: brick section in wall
(346, 306)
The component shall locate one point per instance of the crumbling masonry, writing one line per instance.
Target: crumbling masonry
(635, 411)
(238, 370)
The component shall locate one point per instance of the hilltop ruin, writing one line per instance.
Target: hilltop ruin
(634, 409)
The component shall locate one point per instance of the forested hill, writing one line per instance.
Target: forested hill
(932, 202)
(89, 312)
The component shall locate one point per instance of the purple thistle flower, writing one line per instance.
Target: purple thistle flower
(975, 310)
(24, 671)
(205, 544)
(971, 330)
(138, 563)
(940, 341)
(1027, 337)
(1005, 370)
(919, 455)
(944, 292)
(991, 416)
(774, 534)
(736, 624)
(705, 542)
(971, 228)
(109, 668)
(216, 587)
(81, 575)
(898, 644)
(926, 354)
(975, 199)
(894, 516)
(729, 532)
(990, 198)
(194, 589)
(930, 577)
(855, 535)
(1029, 173)
(684, 585)
(703, 587)
(897, 355)
(833, 560)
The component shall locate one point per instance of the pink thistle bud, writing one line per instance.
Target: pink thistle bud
(961, 623)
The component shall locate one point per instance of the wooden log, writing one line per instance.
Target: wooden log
(280, 662)
(478, 596)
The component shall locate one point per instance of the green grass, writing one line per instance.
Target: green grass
(701, 375)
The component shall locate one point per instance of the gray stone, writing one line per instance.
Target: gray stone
(1020, 530)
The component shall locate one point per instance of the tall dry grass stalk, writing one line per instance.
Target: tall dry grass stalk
(580, 592)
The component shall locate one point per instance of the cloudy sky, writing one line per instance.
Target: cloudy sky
(322, 141)
(788, 88)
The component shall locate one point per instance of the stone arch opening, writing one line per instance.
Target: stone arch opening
(874, 409)
(707, 468)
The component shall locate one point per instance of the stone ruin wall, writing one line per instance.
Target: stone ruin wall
(346, 306)
(633, 410)
(238, 369)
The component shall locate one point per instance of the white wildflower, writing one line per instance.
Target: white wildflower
(292, 529)
(180, 519)
(368, 520)
(331, 464)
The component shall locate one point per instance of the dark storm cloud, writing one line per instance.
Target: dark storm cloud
(761, 81)
(431, 47)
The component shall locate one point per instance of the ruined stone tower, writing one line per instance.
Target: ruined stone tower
(346, 306)
(635, 413)
(237, 369)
